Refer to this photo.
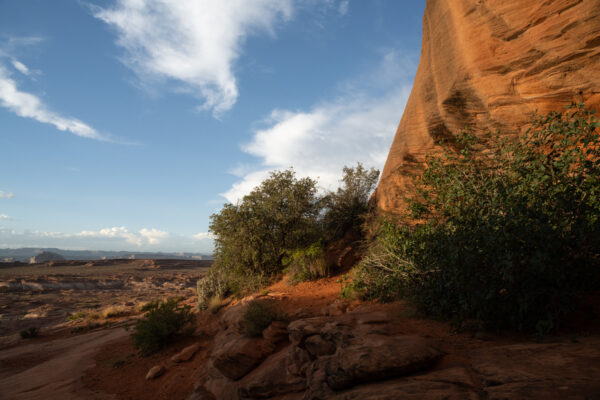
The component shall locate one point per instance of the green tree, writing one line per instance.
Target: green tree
(281, 214)
(345, 208)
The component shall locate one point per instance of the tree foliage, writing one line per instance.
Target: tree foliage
(282, 222)
(510, 235)
(345, 208)
(280, 214)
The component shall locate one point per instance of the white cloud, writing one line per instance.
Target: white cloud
(28, 105)
(119, 232)
(19, 66)
(358, 126)
(6, 195)
(195, 43)
(4, 217)
(203, 236)
(153, 236)
(115, 238)
(343, 7)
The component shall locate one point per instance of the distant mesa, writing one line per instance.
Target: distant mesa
(46, 256)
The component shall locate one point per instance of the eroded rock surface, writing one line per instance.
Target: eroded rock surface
(489, 65)
(364, 354)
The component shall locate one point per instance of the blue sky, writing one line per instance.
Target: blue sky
(125, 124)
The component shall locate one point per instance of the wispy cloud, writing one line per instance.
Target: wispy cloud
(194, 43)
(343, 7)
(27, 105)
(153, 236)
(5, 217)
(19, 66)
(118, 232)
(203, 236)
(6, 195)
(359, 125)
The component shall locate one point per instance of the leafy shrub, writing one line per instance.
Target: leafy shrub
(114, 312)
(145, 307)
(275, 226)
(210, 286)
(77, 315)
(386, 272)
(345, 209)
(30, 333)
(258, 315)
(509, 236)
(307, 263)
(159, 326)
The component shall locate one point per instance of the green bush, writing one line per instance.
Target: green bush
(307, 263)
(258, 315)
(253, 236)
(210, 286)
(386, 272)
(276, 226)
(509, 236)
(159, 326)
(345, 209)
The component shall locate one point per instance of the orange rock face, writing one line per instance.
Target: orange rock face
(488, 65)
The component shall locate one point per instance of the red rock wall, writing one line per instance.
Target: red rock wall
(489, 64)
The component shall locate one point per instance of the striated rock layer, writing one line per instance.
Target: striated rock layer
(488, 65)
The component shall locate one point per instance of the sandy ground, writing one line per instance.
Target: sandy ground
(103, 364)
(43, 296)
(53, 369)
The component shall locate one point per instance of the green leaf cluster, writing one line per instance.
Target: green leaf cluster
(506, 232)
(159, 326)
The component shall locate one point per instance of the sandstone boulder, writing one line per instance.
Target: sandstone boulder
(155, 372)
(377, 357)
(240, 355)
(186, 354)
(276, 332)
(271, 378)
(451, 384)
(317, 346)
(536, 371)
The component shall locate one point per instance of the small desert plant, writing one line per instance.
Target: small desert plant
(114, 312)
(258, 315)
(210, 286)
(30, 333)
(87, 327)
(159, 326)
(150, 305)
(307, 264)
(76, 315)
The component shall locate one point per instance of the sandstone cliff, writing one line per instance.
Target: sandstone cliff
(489, 64)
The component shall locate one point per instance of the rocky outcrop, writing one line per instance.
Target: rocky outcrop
(364, 354)
(488, 65)
(46, 256)
(318, 357)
